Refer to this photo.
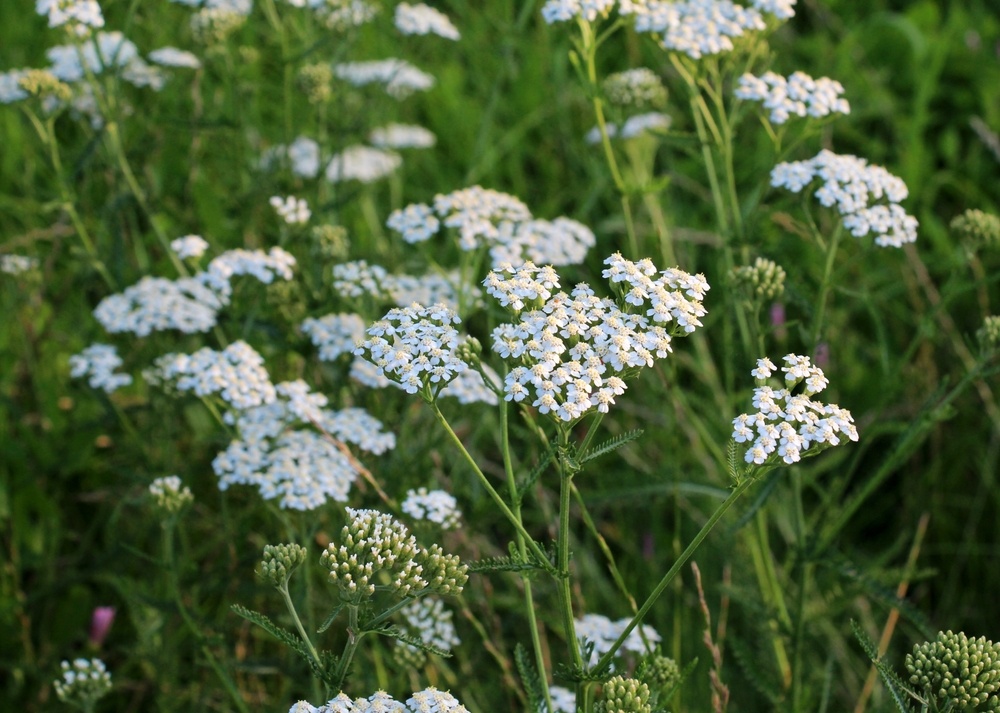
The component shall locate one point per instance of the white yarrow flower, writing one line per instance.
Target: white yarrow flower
(189, 246)
(422, 19)
(294, 211)
(98, 362)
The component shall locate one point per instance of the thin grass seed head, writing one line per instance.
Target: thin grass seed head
(83, 682)
(279, 562)
(960, 672)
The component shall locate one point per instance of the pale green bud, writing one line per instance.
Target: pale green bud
(763, 281)
(640, 87)
(962, 673)
(316, 82)
(977, 229)
(989, 333)
(624, 695)
(280, 561)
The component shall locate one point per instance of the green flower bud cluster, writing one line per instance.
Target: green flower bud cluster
(469, 351)
(989, 333)
(624, 695)
(661, 673)
(171, 494)
(83, 682)
(280, 561)
(976, 228)
(638, 88)
(764, 280)
(374, 543)
(42, 83)
(962, 672)
(331, 240)
(213, 26)
(316, 82)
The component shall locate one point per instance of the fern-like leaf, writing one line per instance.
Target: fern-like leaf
(530, 679)
(898, 691)
(293, 641)
(394, 632)
(528, 483)
(609, 446)
(329, 620)
(886, 595)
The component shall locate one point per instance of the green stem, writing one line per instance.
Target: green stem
(562, 560)
(192, 625)
(805, 570)
(529, 603)
(676, 568)
(46, 133)
(831, 253)
(354, 636)
(298, 623)
(484, 481)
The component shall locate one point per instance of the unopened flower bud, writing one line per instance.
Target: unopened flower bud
(763, 281)
(976, 229)
(316, 82)
(625, 695)
(280, 561)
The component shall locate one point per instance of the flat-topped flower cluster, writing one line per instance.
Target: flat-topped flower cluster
(416, 347)
(572, 350)
(787, 423)
(797, 95)
(429, 700)
(852, 186)
(498, 221)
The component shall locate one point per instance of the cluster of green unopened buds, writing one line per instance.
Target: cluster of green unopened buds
(373, 547)
(956, 672)
(763, 281)
(279, 562)
(83, 683)
(624, 695)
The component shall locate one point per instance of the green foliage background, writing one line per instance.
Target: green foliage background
(75, 528)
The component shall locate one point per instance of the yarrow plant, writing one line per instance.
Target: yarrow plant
(83, 683)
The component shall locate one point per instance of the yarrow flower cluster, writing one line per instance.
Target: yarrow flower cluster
(624, 695)
(632, 128)
(565, 10)
(428, 620)
(498, 221)
(416, 347)
(236, 374)
(429, 700)
(83, 682)
(302, 156)
(961, 673)
(302, 468)
(695, 27)
(402, 136)
(373, 542)
(170, 494)
(437, 506)
(601, 632)
(80, 17)
(17, 264)
(292, 210)
(99, 361)
(798, 95)
(362, 163)
(189, 246)
(851, 185)
(421, 19)
(188, 304)
(334, 334)
(173, 57)
(788, 424)
(279, 562)
(572, 350)
(399, 77)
